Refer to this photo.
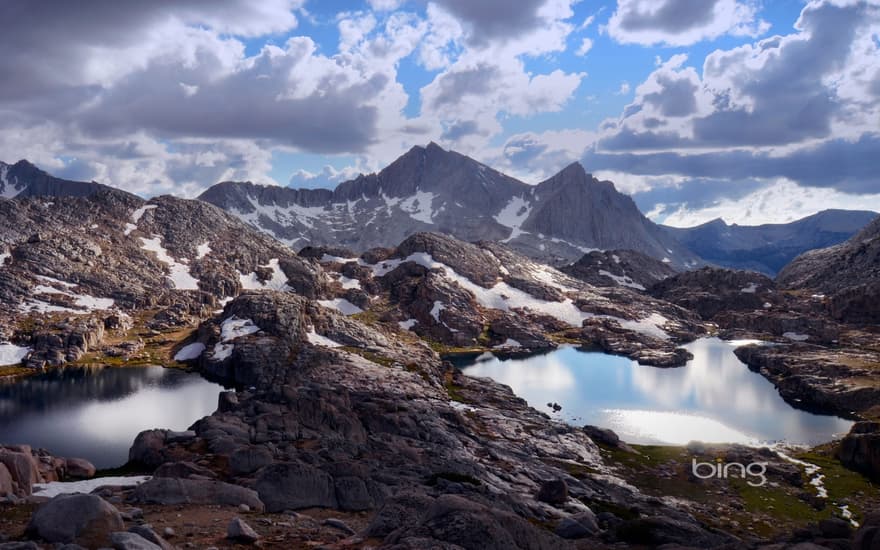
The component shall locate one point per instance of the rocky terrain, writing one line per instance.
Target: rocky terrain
(347, 429)
(619, 268)
(847, 275)
(770, 247)
(430, 189)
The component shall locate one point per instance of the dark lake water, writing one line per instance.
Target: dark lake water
(96, 412)
(715, 398)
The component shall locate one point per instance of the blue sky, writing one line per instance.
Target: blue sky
(750, 111)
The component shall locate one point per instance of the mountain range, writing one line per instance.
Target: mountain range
(557, 221)
(767, 248)
(431, 189)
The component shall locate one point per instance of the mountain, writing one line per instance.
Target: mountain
(767, 248)
(112, 254)
(431, 189)
(846, 275)
(23, 179)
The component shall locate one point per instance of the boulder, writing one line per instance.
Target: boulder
(240, 531)
(79, 468)
(148, 448)
(164, 490)
(22, 466)
(7, 486)
(293, 486)
(553, 492)
(87, 520)
(147, 533)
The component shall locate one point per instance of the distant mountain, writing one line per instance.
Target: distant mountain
(846, 275)
(23, 179)
(767, 248)
(431, 189)
(619, 268)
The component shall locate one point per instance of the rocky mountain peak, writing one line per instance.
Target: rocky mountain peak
(24, 179)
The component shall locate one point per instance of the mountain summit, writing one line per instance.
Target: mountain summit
(432, 189)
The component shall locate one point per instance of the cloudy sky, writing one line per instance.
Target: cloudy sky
(751, 111)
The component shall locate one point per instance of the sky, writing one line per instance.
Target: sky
(754, 112)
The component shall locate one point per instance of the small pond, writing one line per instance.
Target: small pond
(96, 412)
(715, 398)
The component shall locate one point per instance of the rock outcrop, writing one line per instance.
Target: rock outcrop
(619, 268)
(847, 274)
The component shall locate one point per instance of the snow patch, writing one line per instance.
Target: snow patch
(419, 207)
(230, 329)
(179, 274)
(750, 289)
(622, 280)
(513, 215)
(190, 352)
(203, 250)
(435, 311)
(277, 282)
(8, 191)
(3, 257)
(55, 488)
(328, 258)
(80, 301)
(341, 305)
(233, 328)
(795, 336)
(139, 213)
(318, 340)
(408, 324)
(348, 282)
(10, 354)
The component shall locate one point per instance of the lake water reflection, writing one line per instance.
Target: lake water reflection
(715, 398)
(96, 412)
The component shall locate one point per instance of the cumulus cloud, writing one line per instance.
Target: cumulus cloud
(682, 22)
(489, 20)
(328, 178)
(799, 106)
(847, 166)
(777, 202)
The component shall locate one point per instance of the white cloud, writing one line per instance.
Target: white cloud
(683, 22)
(779, 202)
(585, 47)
